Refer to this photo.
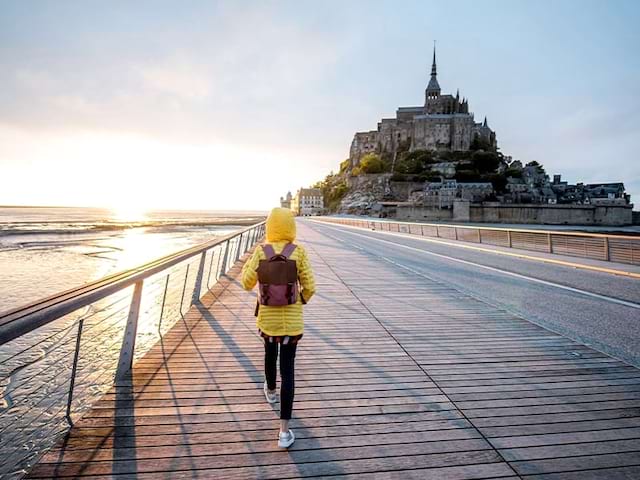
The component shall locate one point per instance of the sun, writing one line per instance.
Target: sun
(129, 212)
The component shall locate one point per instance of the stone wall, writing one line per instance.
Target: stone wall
(552, 214)
(402, 190)
(523, 214)
(414, 213)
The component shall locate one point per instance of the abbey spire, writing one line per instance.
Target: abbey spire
(433, 89)
(434, 70)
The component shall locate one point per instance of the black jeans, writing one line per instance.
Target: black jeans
(287, 387)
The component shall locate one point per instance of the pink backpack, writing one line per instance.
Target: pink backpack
(278, 277)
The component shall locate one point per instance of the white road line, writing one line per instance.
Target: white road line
(493, 269)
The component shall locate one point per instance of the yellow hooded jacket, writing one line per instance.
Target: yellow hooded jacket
(285, 320)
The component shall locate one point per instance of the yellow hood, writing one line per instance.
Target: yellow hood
(281, 226)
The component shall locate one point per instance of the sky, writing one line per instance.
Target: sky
(228, 105)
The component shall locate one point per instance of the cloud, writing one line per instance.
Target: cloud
(179, 79)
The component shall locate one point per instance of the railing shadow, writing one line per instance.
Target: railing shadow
(124, 430)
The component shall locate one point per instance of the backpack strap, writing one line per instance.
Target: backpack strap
(268, 250)
(288, 250)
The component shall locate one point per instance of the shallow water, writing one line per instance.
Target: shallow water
(47, 250)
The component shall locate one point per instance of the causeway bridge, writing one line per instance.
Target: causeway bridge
(426, 357)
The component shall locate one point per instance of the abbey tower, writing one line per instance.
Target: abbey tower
(442, 123)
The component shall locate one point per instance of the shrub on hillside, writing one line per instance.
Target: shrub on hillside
(371, 163)
(485, 162)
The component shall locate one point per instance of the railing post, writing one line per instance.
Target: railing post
(129, 339)
(422, 230)
(238, 250)
(218, 263)
(164, 298)
(455, 230)
(509, 238)
(549, 243)
(74, 368)
(195, 296)
(437, 232)
(213, 254)
(607, 255)
(234, 251)
(479, 236)
(184, 288)
(243, 240)
(223, 269)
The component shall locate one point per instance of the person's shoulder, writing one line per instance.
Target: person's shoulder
(259, 251)
(301, 249)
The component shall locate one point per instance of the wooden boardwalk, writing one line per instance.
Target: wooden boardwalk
(398, 376)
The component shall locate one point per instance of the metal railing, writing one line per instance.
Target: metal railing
(612, 248)
(60, 354)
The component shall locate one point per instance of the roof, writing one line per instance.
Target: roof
(605, 185)
(476, 184)
(310, 192)
(410, 109)
(433, 84)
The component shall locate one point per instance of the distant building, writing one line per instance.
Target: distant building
(442, 123)
(591, 193)
(442, 194)
(308, 201)
(285, 202)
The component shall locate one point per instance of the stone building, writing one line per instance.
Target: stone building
(442, 123)
(443, 194)
(285, 202)
(307, 201)
(590, 193)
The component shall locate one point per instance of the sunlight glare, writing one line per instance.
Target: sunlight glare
(129, 212)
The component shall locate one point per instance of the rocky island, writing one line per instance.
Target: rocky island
(435, 162)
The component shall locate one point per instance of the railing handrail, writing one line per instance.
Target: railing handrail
(611, 248)
(19, 321)
(500, 229)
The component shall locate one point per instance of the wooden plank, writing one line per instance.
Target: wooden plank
(583, 462)
(615, 473)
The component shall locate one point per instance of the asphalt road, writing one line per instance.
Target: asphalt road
(597, 309)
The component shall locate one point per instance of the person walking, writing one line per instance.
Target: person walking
(286, 283)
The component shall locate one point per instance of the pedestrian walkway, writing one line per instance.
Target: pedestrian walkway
(398, 376)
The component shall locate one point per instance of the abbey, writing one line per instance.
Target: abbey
(442, 123)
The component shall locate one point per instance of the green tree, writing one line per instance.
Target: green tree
(480, 143)
(429, 177)
(415, 162)
(498, 181)
(513, 172)
(485, 162)
(539, 167)
(344, 166)
(467, 175)
(372, 163)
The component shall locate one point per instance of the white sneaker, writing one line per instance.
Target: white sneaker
(285, 440)
(270, 395)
